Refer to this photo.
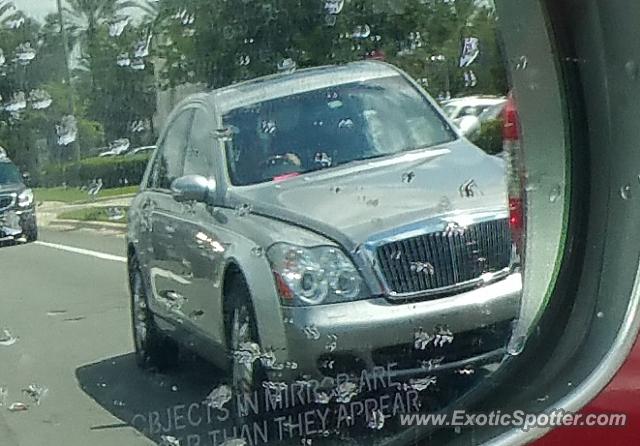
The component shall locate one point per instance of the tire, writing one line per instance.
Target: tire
(246, 378)
(31, 234)
(153, 349)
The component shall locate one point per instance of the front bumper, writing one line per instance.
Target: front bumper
(16, 223)
(473, 327)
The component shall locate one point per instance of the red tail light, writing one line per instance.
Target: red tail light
(512, 149)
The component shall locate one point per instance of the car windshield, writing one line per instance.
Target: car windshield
(9, 174)
(329, 127)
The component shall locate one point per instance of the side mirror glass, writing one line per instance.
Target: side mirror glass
(468, 125)
(193, 188)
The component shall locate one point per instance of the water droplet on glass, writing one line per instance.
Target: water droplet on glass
(40, 99)
(138, 64)
(35, 392)
(422, 267)
(421, 384)
(243, 210)
(117, 26)
(123, 60)
(323, 159)
(2, 58)
(421, 339)
(345, 392)
(18, 407)
(67, 130)
(375, 420)
(312, 332)
(321, 397)
(522, 63)
(346, 123)
(332, 344)
(408, 177)
(442, 336)
(257, 251)
(625, 192)
(218, 397)
(361, 32)
(141, 48)
(599, 314)
(287, 66)
(555, 194)
(18, 102)
(168, 440)
(24, 53)
(7, 339)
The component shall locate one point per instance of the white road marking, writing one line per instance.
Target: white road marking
(85, 252)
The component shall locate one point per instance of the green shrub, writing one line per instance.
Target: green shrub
(115, 172)
(489, 138)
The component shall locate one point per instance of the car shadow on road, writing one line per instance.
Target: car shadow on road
(156, 404)
(172, 404)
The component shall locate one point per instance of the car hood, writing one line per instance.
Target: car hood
(11, 188)
(352, 204)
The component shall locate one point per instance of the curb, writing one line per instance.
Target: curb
(78, 224)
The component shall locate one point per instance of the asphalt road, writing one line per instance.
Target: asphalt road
(69, 309)
(65, 298)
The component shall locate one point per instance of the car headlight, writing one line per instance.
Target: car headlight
(314, 276)
(25, 198)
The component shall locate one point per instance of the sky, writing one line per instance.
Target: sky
(36, 8)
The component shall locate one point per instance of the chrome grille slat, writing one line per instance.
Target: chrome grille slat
(6, 201)
(457, 257)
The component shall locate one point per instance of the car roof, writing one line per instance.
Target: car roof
(286, 84)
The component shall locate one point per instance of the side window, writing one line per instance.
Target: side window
(198, 158)
(170, 160)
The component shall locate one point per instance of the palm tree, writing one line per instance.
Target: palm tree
(8, 12)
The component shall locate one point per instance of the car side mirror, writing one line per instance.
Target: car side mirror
(193, 188)
(469, 125)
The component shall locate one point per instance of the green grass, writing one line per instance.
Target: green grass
(94, 214)
(74, 195)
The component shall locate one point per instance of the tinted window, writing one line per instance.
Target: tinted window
(328, 127)
(9, 174)
(170, 161)
(197, 160)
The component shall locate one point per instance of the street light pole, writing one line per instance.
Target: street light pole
(67, 62)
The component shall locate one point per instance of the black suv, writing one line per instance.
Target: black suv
(17, 209)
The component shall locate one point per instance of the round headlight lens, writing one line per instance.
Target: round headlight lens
(25, 198)
(315, 275)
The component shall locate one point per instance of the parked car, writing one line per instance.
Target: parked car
(17, 209)
(291, 218)
(484, 108)
(141, 150)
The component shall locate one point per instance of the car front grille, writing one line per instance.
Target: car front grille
(6, 201)
(440, 261)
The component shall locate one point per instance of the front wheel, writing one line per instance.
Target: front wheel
(152, 348)
(247, 371)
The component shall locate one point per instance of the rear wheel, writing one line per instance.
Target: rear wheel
(152, 348)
